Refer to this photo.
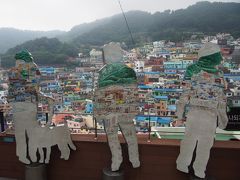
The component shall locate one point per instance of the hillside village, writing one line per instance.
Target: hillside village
(160, 68)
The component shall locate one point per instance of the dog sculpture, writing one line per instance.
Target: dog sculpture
(31, 137)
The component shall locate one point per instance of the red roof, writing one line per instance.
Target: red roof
(59, 118)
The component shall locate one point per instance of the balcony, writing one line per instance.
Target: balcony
(157, 160)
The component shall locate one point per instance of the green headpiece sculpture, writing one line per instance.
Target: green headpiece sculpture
(25, 56)
(209, 57)
(116, 74)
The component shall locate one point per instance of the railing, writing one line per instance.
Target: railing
(159, 132)
(158, 159)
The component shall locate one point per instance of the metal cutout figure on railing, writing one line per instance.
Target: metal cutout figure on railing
(116, 103)
(24, 96)
(203, 103)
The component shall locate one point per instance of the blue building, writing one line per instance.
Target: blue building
(174, 66)
(89, 108)
(47, 71)
(155, 121)
(167, 92)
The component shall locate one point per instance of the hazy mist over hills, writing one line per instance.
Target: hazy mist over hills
(205, 17)
(10, 37)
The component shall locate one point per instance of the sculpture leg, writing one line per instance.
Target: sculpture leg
(202, 155)
(111, 128)
(66, 151)
(129, 132)
(60, 147)
(205, 143)
(188, 144)
(200, 128)
(184, 159)
(40, 150)
(21, 146)
(48, 152)
(24, 120)
(69, 142)
(33, 152)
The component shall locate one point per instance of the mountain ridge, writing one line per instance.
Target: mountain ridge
(203, 17)
(206, 17)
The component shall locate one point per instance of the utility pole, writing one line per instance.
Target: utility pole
(2, 121)
(94, 102)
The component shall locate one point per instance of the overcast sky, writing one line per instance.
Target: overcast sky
(64, 14)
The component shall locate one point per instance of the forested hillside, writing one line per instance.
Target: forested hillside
(44, 50)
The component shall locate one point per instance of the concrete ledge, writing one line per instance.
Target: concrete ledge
(158, 160)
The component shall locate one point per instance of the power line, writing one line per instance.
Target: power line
(129, 30)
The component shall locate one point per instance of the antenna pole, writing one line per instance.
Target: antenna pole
(125, 18)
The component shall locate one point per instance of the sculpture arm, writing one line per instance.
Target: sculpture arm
(222, 105)
(222, 115)
(182, 103)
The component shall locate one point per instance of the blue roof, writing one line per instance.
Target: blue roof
(67, 103)
(161, 97)
(158, 119)
(170, 72)
(234, 78)
(164, 120)
(151, 72)
(53, 85)
(47, 68)
(166, 68)
(172, 107)
(231, 75)
(145, 87)
(168, 90)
